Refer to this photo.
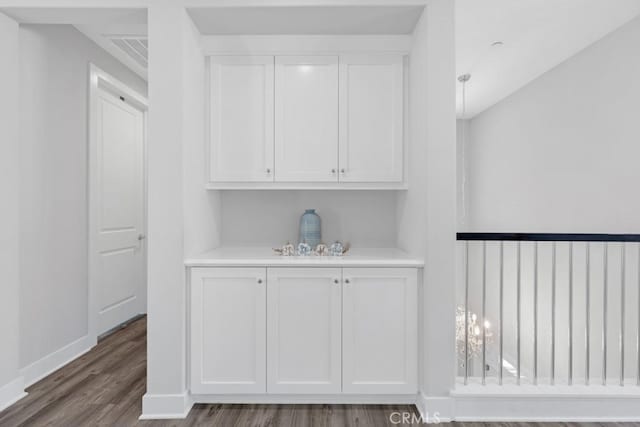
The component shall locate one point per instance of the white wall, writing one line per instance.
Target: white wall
(54, 73)
(10, 382)
(427, 211)
(561, 154)
(440, 188)
(173, 61)
(411, 205)
(270, 218)
(202, 217)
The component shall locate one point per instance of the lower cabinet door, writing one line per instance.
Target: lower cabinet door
(228, 336)
(380, 331)
(304, 330)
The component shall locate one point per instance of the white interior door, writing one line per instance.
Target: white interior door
(306, 144)
(118, 204)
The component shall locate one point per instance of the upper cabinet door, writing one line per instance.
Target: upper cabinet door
(371, 118)
(306, 146)
(241, 119)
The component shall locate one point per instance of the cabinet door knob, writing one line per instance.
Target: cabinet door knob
(333, 171)
(336, 281)
(268, 170)
(342, 170)
(259, 280)
(346, 281)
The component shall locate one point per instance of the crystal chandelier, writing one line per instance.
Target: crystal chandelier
(474, 334)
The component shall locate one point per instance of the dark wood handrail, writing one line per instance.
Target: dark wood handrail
(550, 237)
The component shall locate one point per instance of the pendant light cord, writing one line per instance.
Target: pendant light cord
(464, 78)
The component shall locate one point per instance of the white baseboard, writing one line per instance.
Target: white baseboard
(165, 406)
(11, 392)
(435, 409)
(341, 399)
(614, 405)
(56, 360)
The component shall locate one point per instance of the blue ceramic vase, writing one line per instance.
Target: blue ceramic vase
(310, 228)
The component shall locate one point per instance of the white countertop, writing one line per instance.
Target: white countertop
(265, 257)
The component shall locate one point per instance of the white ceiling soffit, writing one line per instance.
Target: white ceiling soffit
(307, 20)
(537, 35)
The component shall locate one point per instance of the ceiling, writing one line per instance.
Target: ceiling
(120, 31)
(123, 31)
(77, 15)
(537, 35)
(306, 20)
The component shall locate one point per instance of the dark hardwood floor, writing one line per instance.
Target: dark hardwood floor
(105, 387)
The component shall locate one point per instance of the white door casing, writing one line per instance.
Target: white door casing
(371, 118)
(304, 330)
(117, 250)
(228, 332)
(242, 119)
(306, 118)
(380, 331)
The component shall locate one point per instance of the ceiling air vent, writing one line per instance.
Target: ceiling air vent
(137, 48)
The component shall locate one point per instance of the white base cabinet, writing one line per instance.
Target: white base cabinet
(379, 331)
(304, 331)
(228, 336)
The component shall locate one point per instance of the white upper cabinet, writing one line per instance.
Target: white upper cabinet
(306, 99)
(241, 123)
(307, 122)
(371, 118)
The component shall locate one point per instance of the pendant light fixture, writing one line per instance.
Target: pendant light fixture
(464, 78)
